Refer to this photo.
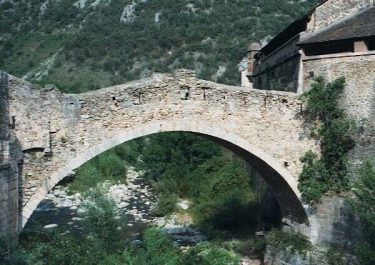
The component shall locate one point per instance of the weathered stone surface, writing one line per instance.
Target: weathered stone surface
(359, 73)
(333, 10)
(59, 132)
(9, 166)
(335, 224)
(358, 99)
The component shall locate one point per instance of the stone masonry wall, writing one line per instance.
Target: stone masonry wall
(59, 132)
(9, 159)
(359, 72)
(333, 224)
(334, 10)
(279, 70)
(358, 99)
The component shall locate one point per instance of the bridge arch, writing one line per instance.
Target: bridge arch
(281, 182)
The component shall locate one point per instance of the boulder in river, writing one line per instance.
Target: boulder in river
(50, 226)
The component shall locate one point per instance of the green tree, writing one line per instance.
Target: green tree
(100, 215)
(363, 205)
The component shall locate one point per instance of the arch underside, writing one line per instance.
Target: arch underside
(282, 184)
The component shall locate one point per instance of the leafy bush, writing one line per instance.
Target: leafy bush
(104, 243)
(224, 200)
(209, 254)
(366, 253)
(212, 178)
(111, 165)
(64, 249)
(87, 177)
(11, 253)
(157, 249)
(129, 151)
(363, 205)
(335, 133)
(108, 166)
(165, 205)
(100, 215)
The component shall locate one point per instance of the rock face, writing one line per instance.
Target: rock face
(59, 132)
(333, 226)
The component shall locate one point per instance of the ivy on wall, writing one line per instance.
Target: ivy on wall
(334, 130)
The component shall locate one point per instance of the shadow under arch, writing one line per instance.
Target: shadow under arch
(282, 184)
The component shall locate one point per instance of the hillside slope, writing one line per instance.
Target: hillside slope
(82, 45)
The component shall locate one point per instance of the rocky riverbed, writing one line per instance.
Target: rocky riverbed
(134, 200)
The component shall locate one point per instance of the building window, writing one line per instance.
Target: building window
(370, 44)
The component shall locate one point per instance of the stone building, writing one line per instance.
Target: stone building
(336, 38)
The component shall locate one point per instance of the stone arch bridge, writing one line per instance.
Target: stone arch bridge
(59, 132)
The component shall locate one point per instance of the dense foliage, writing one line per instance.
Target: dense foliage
(223, 194)
(105, 42)
(335, 133)
(106, 245)
(224, 198)
(364, 206)
(289, 241)
(11, 253)
(108, 166)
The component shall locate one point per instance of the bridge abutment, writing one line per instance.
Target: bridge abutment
(10, 158)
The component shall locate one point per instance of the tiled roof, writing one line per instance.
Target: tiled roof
(289, 32)
(359, 25)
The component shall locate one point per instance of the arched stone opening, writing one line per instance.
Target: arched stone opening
(281, 182)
